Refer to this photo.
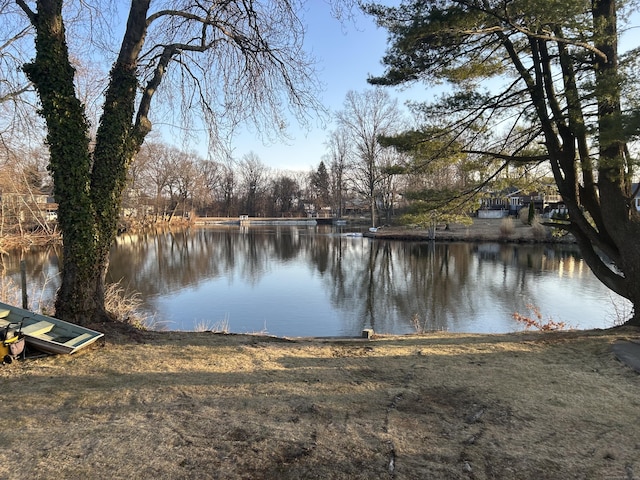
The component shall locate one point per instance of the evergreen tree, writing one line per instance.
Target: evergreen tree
(535, 82)
(531, 214)
(322, 186)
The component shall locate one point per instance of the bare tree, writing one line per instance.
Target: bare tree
(227, 198)
(254, 183)
(184, 181)
(364, 118)
(16, 99)
(338, 156)
(24, 192)
(237, 60)
(156, 172)
(285, 194)
(388, 183)
(208, 184)
(137, 196)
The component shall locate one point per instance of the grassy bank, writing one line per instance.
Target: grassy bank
(442, 406)
(503, 230)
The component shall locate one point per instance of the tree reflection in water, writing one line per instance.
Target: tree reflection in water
(298, 281)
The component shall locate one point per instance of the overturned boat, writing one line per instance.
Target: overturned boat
(47, 334)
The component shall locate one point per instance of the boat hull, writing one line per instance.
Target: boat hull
(48, 334)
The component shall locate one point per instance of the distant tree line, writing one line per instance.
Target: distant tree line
(365, 171)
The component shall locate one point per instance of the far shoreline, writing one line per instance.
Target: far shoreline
(481, 230)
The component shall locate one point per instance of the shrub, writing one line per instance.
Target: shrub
(507, 227)
(538, 321)
(523, 215)
(539, 230)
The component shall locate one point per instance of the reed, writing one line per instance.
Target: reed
(125, 306)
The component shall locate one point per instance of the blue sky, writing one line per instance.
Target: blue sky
(347, 53)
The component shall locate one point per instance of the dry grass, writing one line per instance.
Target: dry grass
(26, 240)
(10, 292)
(126, 306)
(441, 406)
(539, 231)
(221, 326)
(507, 227)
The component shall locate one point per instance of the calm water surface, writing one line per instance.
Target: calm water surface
(319, 281)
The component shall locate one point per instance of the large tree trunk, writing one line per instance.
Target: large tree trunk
(619, 215)
(614, 234)
(88, 188)
(70, 161)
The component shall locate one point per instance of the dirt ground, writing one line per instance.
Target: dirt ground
(176, 405)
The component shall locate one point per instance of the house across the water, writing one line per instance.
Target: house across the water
(511, 200)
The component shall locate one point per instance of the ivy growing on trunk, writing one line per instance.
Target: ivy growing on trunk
(240, 61)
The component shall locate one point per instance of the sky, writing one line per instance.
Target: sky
(347, 53)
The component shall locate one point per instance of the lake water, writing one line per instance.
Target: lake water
(325, 281)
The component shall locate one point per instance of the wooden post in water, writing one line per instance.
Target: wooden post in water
(23, 284)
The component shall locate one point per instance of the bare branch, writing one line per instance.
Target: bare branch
(30, 14)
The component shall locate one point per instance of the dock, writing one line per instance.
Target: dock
(245, 220)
